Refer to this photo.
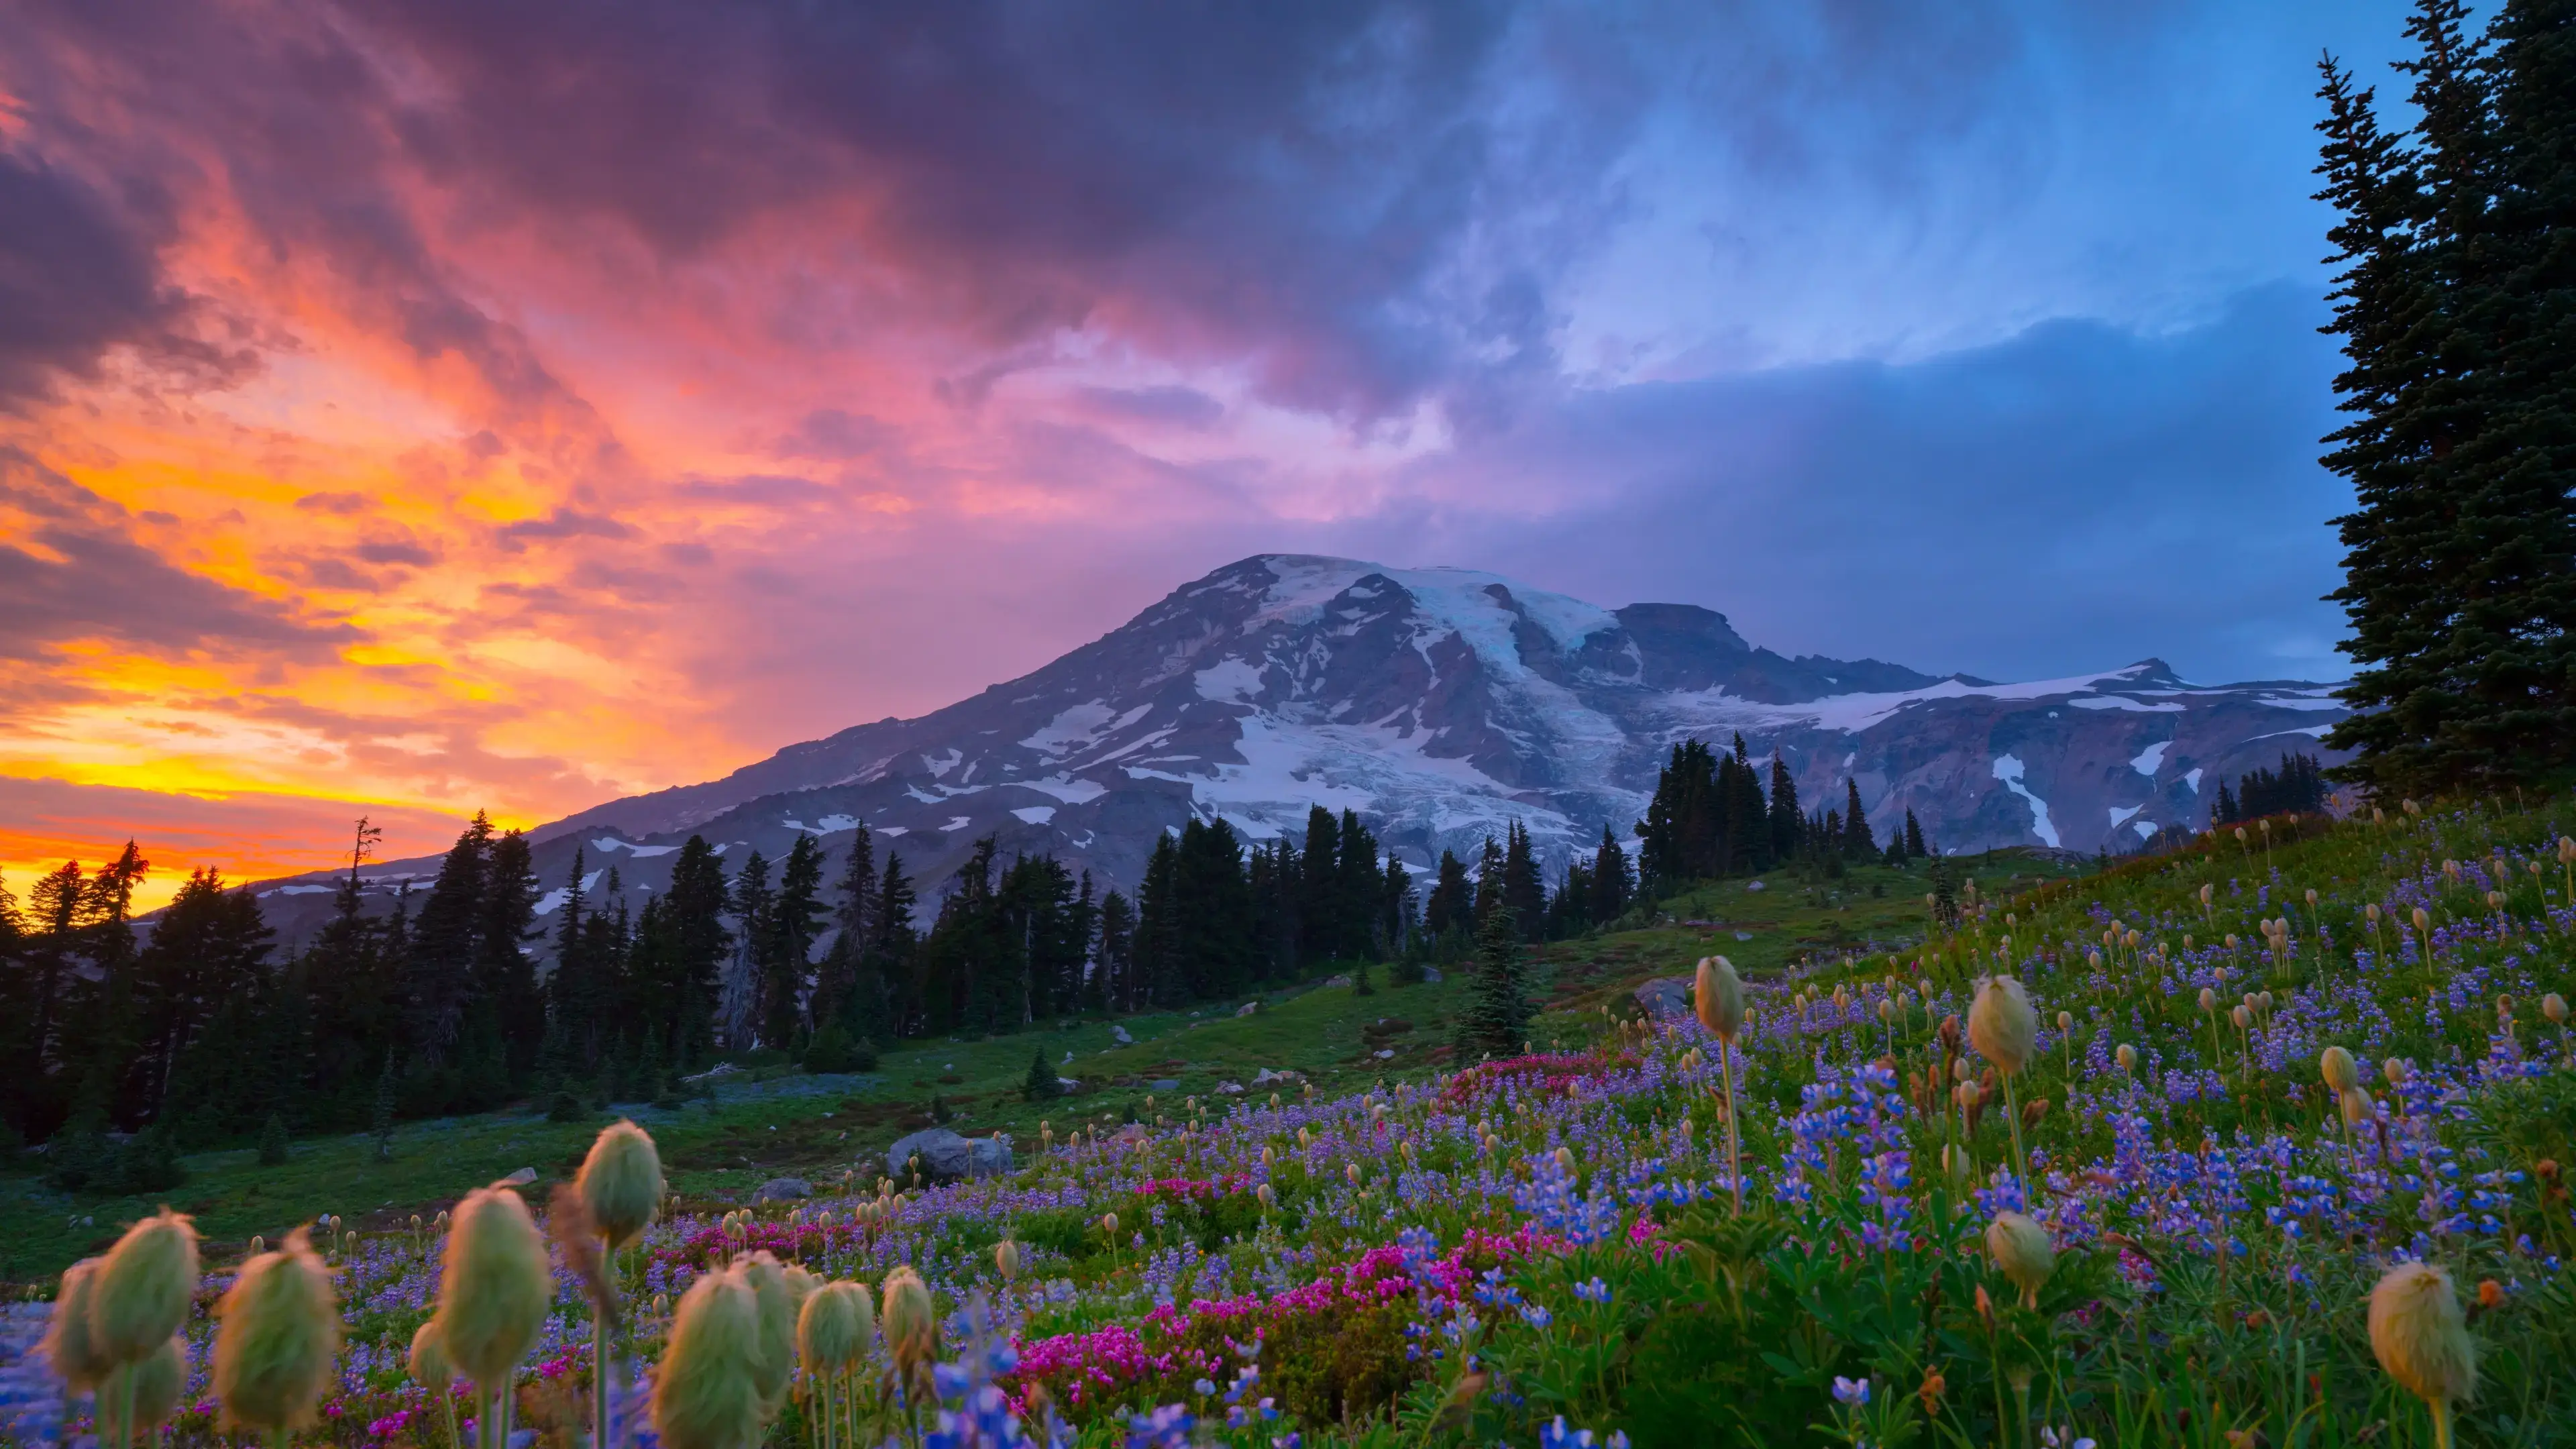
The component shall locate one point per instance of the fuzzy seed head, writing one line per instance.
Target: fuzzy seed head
(704, 1396)
(2002, 1026)
(69, 1345)
(2423, 919)
(2394, 1069)
(834, 1330)
(2336, 1066)
(911, 1322)
(2420, 1335)
(1717, 995)
(494, 1286)
(2128, 1056)
(2022, 1252)
(158, 1378)
(776, 1324)
(621, 1182)
(280, 1332)
(2356, 1106)
(428, 1361)
(140, 1294)
(2554, 1007)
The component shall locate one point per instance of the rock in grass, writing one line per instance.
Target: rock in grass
(946, 1157)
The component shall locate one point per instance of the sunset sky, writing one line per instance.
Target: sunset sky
(416, 407)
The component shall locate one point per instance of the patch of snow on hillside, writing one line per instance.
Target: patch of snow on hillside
(939, 766)
(955, 822)
(640, 852)
(2120, 813)
(2146, 829)
(2150, 760)
(1230, 681)
(2122, 701)
(2191, 777)
(2317, 730)
(306, 890)
(555, 900)
(1035, 814)
(1853, 713)
(1067, 789)
(827, 825)
(2302, 701)
(891, 831)
(1081, 727)
(2008, 769)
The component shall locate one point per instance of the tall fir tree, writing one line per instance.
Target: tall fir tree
(1858, 843)
(1497, 1014)
(1611, 885)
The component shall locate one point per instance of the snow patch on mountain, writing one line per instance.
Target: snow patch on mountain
(2150, 760)
(2008, 769)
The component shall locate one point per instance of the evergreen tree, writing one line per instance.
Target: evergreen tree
(836, 982)
(1497, 1015)
(1682, 837)
(1452, 902)
(1748, 824)
(795, 920)
(692, 948)
(1524, 889)
(1041, 1083)
(1611, 886)
(208, 950)
(1116, 978)
(1858, 843)
(1913, 838)
(748, 901)
(1786, 821)
(894, 944)
(1491, 883)
(1319, 900)
(1154, 977)
(2453, 305)
(1361, 899)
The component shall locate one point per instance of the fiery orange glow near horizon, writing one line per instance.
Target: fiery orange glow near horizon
(437, 405)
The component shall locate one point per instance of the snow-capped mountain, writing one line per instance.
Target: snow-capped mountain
(1439, 704)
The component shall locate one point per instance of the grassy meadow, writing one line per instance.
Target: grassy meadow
(1414, 1250)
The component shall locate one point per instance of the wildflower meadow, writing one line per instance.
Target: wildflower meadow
(2259, 1142)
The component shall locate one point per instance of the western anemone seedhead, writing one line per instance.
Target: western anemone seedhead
(1718, 996)
(706, 1394)
(2420, 1335)
(69, 1345)
(2336, 1065)
(280, 1333)
(140, 1294)
(2022, 1252)
(775, 1322)
(158, 1378)
(494, 1286)
(2128, 1057)
(835, 1329)
(801, 1284)
(911, 1323)
(1006, 1253)
(2002, 1026)
(428, 1361)
(621, 1182)
(2357, 1108)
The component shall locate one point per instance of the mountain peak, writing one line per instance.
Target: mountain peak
(1444, 705)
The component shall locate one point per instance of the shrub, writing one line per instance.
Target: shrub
(273, 1141)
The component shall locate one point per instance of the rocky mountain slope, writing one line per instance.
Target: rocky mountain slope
(1440, 704)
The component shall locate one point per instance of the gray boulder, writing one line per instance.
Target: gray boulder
(524, 1177)
(946, 1157)
(782, 1189)
(1665, 996)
